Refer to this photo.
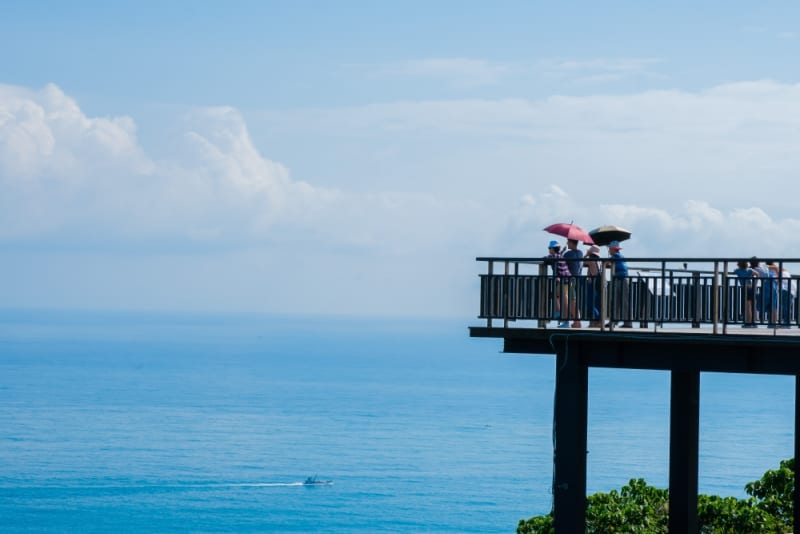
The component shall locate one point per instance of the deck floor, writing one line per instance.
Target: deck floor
(681, 328)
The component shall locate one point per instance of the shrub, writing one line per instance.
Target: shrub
(639, 508)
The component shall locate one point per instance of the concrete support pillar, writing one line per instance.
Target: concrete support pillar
(683, 451)
(796, 451)
(569, 482)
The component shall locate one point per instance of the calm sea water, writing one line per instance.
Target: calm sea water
(207, 423)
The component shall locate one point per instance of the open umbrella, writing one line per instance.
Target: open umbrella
(570, 231)
(603, 235)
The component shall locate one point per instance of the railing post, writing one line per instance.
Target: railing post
(726, 304)
(506, 296)
(715, 298)
(663, 312)
(490, 275)
(696, 292)
(644, 292)
(541, 304)
(603, 304)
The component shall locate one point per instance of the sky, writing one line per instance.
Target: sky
(355, 157)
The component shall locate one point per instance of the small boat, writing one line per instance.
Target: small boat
(314, 481)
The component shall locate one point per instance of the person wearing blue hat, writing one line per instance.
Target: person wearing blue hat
(561, 275)
(620, 285)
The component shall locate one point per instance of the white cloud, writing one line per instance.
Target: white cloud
(44, 134)
(217, 189)
(728, 145)
(640, 156)
(695, 229)
(707, 173)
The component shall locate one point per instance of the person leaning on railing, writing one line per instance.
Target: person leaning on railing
(620, 285)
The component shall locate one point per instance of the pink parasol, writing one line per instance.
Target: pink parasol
(570, 231)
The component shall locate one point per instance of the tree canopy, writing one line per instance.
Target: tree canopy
(639, 508)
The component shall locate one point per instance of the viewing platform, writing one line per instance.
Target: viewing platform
(682, 315)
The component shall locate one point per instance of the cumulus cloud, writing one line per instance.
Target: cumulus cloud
(44, 135)
(683, 170)
(72, 178)
(60, 168)
(695, 229)
(709, 173)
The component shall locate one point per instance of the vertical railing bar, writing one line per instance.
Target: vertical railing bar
(603, 293)
(780, 322)
(506, 296)
(715, 297)
(543, 292)
(491, 273)
(725, 299)
(663, 300)
(697, 313)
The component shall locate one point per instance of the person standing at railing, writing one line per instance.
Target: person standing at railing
(746, 275)
(561, 276)
(787, 298)
(593, 281)
(767, 295)
(573, 257)
(620, 286)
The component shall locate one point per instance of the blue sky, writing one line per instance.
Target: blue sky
(355, 157)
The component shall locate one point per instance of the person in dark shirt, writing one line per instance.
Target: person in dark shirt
(561, 274)
(620, 286)
(573, 257)
(593, 280)
(745, 275)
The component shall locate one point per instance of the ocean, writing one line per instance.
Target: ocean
(188, 422)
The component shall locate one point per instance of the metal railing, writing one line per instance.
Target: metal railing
(657, 291)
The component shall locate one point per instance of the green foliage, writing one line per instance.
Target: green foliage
(639, 508)
(729, 515)
(636, 508)
(774, 493)
(542, 524)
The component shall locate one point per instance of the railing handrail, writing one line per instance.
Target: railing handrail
(649, 259)
(684, 294)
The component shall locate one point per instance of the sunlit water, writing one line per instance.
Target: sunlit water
(158, 422)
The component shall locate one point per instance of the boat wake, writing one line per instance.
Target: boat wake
(185, 485)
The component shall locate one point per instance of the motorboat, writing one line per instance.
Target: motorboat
(314, 481)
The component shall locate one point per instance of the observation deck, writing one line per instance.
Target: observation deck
(682, 315)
